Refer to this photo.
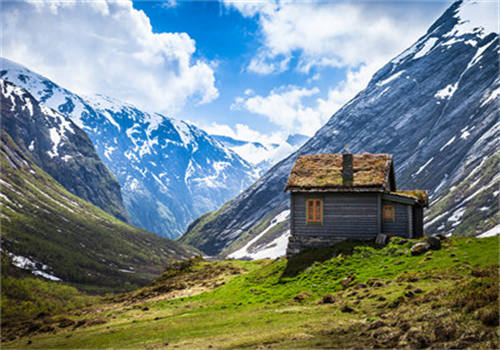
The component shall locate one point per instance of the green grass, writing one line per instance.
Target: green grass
(278, 303)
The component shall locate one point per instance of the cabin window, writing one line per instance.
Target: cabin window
(388, 212)
(314, 211)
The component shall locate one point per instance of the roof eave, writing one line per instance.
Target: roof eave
(336, 189)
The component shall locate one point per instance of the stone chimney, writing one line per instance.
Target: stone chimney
(347, 170)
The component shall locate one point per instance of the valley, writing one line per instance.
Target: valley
(159, 218)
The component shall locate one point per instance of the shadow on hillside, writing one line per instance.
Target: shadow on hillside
(302, 261)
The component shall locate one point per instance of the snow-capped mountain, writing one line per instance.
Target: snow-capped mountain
(52, 233)
(170, 171)
(60, 148)
(434, 107)
(263, 155)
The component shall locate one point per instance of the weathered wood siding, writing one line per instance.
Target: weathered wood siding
(418, 221)
(345, 215)
(400, 225)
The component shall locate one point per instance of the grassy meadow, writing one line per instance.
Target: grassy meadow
(351, 295)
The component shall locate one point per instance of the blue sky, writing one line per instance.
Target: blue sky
(251, 70)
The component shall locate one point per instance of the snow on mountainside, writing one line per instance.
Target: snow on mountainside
(434, 107)
(263, 156)
(170, 171)
(60, 148)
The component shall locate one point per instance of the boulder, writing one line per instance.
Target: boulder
(434, 242)
(382, 239)
(420, 248)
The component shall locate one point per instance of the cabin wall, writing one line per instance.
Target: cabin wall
(418, 221)
(349, 215)
(400, 225)
(345, 216)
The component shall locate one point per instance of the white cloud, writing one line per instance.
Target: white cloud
(107, 47)
(243, 132)
(292, 110)
(284, 107)
(328, 34)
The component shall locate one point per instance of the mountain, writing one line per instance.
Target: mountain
(263, 156)
(60, 148)
(170, 171)
(434, 107)
(53, 233)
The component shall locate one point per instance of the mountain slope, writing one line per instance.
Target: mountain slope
(170, 171)
(57, 235)
(434, 107)
(60, 148)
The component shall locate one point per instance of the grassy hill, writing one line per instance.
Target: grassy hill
(54, 233)
(349, 295)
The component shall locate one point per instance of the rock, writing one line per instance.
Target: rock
(434, 242)
(409, 294)
(382, 239)
(420, 248)
(328, 299)
(65, 322)
(346, 309)
(402, 241)
(440, 236)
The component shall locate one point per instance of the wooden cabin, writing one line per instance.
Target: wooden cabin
(334, 197)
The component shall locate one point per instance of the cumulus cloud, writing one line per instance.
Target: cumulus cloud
(243, 132)
(292, 110)
(323, 34)
(106, 47)
(284, 107)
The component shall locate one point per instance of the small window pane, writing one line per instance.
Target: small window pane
(388, 212)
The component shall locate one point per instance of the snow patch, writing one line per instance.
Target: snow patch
(495, 231)
(457, 216)
(437, 218)
(493, 95)
(450, 141)
(447, 92)
(28, 264)
(56, 139)
(274, 249)
(243, 252)
(391, 78)
(429, 44)
(423, 166)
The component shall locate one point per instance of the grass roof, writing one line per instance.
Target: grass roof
(419, 195)
(324, 171)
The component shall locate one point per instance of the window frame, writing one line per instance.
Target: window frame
(315, 219)
(393, 210)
